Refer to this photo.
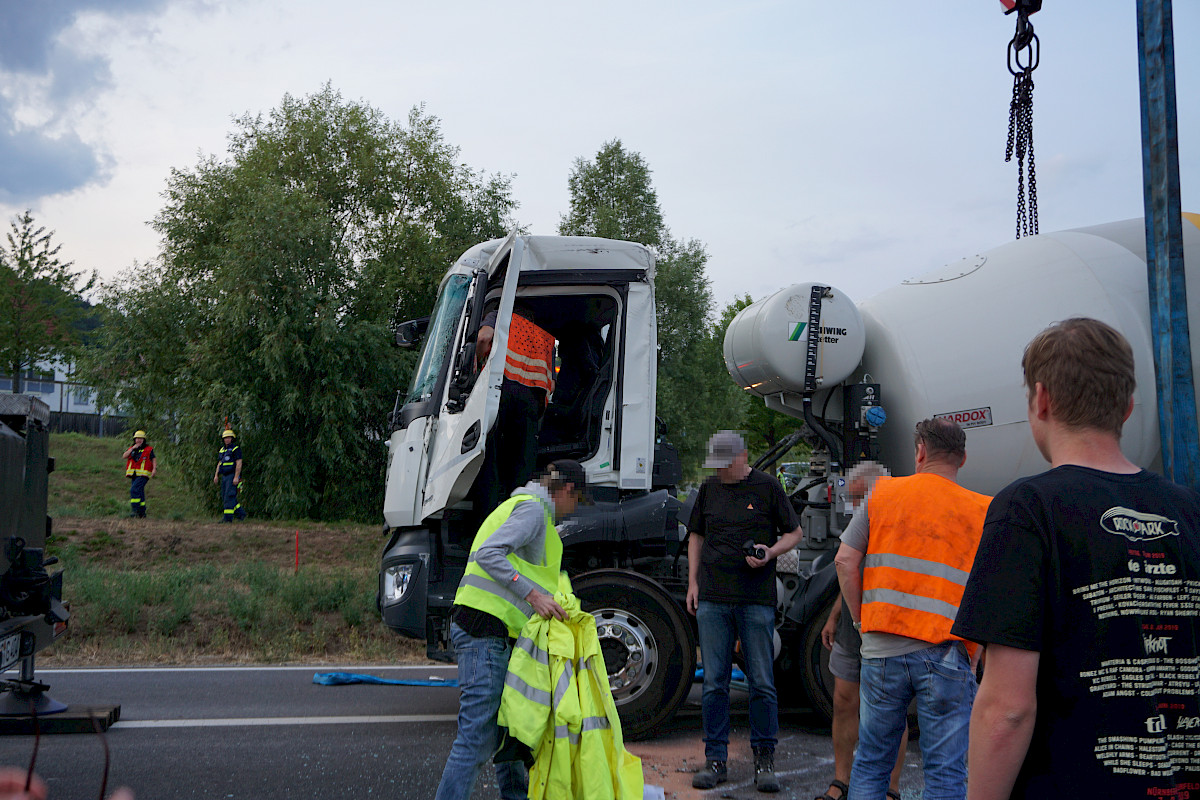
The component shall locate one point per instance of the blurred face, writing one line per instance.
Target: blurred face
(138, 441)
(566, 499)
(857, 490)
(736, 470)
(228, 440)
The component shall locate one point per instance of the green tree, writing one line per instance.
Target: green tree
(41, 307)
(612, 196)
(283, 269)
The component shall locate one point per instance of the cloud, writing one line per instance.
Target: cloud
(29, 32)
(35, 164)
(55, 85)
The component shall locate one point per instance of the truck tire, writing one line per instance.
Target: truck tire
(814, 668)
(648, 644)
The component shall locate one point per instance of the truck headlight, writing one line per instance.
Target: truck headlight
(395, 582)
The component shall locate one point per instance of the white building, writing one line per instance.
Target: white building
(72, 404)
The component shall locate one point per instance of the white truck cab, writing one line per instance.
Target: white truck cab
(596, 298)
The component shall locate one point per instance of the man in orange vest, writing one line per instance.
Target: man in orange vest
(528, 382)
(843, 643)
(902, 565)
(139, 468)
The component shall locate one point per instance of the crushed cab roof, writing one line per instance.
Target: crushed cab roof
(565, 253)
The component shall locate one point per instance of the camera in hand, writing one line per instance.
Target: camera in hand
(754, 549)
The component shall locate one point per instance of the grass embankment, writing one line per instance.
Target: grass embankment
(89, 481)
(179, 588)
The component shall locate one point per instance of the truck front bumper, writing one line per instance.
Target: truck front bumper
(404, 582)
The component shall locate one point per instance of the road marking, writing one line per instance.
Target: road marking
(235, 722)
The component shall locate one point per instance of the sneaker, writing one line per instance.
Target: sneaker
(714, 772)
(764, 770)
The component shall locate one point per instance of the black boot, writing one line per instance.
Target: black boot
(714, 772)
(764, 770)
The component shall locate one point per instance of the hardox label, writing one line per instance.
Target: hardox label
(971, 418)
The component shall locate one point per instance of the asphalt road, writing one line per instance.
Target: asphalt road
(256, 732)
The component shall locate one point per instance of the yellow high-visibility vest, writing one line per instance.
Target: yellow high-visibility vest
(479, 590)
(557, 701)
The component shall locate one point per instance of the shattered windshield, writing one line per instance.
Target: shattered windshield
(442, 325)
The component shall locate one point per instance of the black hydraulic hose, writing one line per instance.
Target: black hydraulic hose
(800, 501)
(835, 455)
(811, 484)
(825, 405)
(775, 453)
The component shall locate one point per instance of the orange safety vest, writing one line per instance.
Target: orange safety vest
(530, 358)
(923, 536)
(139, 466)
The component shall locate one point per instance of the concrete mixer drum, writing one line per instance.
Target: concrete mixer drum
(767, 344)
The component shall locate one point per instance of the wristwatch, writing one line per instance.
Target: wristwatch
(857, 626)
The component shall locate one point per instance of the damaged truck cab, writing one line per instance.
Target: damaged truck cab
(596, 297)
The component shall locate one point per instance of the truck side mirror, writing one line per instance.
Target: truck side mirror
(409, 333)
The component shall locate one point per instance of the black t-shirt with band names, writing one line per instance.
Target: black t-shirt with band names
(726, 515)
(1100, 574)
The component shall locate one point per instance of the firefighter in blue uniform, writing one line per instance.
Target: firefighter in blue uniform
(229, 475)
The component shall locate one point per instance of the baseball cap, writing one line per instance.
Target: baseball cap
(723, 447)
(569, 471)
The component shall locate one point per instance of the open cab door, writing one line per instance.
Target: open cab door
(437, 437)
(471, 400)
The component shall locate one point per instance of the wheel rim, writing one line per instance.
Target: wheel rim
(630, 653)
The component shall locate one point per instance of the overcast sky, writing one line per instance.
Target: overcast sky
(855, 142)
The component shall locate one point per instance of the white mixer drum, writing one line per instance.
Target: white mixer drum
(766, 345)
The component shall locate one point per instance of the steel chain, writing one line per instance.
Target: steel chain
(1020, 142)
(1020, 123)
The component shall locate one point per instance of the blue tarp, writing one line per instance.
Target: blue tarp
(735, 675)
(343, 678)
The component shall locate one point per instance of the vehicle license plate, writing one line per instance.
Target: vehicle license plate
(10, 650)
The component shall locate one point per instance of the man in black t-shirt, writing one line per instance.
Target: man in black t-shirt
(1085, 590)
(732, 593)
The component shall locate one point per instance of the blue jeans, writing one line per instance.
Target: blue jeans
(482, 665)
(721, 625)
(941, 678)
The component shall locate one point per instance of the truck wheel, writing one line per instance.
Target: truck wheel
(814, 670)
(648, 645)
